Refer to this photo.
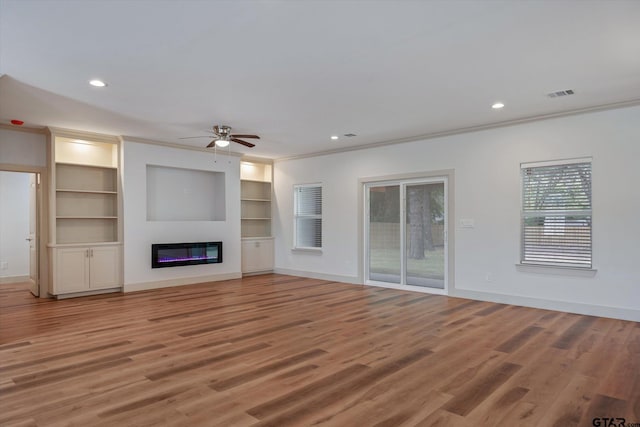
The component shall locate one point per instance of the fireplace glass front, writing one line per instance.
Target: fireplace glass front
(177, 254)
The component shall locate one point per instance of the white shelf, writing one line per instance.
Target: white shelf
(261, 181)
(83, 245)
(82, 165)
(66, 190)
(255, 190)
(86, 217)
(255, 219)
(254, 200)
(87, 178)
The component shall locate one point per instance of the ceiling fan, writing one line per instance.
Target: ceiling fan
(222, 136)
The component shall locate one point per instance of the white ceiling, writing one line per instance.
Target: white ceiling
(298, 72)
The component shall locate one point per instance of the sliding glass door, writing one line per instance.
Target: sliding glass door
(406, 235)
(385, 250)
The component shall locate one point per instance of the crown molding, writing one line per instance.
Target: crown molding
(220, 152)
(506, 123)
(264, 160)
(78, 134)
(39, 131)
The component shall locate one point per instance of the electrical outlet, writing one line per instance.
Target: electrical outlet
(488, 277)
(4, 265)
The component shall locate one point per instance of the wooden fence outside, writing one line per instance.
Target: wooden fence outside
(387, 235)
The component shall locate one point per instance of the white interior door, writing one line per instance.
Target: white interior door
(406, 234)
(34, 285)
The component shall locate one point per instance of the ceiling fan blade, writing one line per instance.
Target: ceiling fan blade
(211, 144)
(192, 137)
(245, 136)
(239, 141)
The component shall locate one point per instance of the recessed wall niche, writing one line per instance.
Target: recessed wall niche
(176, 194)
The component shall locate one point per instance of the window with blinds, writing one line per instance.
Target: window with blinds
(556, 213)
(307, 216)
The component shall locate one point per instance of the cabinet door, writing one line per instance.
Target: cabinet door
(257, 255)
(266, 255)
(72, 270)
(105, 267)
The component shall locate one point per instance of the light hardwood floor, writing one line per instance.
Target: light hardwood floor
(278, 350)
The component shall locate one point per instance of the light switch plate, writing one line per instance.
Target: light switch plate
(467, 223)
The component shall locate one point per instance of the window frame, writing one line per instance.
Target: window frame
(297, 216)
(524, 264)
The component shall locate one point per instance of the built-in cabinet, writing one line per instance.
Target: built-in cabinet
(255, 199)
(85, 222)
(257, 254)
(79, 269)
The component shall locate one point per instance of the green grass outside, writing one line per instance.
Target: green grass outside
(387, 261)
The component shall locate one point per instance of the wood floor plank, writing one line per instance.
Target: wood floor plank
(478, 390)
(298, 414)
(605, 407)
(62, 356)
(231, 382)
(293, 397)
(574, 332)
(519, 339)
(569, 407)
(283, 350)
(208, 361)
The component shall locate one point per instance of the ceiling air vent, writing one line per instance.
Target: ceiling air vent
(560, 93)
(349, 135)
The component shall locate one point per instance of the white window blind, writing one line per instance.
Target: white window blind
(556, 214)
(308, 216)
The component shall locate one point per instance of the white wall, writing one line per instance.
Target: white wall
(23, 148)
(487, 189)
(139, 233)
(14, 225)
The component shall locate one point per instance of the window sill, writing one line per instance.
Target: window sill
(558, 271)
(308, 250)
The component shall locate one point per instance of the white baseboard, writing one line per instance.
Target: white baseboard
(87, 293)
(322, 276)
(14, 279)
(144, 286)
(569, 307)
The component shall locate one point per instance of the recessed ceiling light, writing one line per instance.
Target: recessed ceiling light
(97, 83)
(334, 137)
(497, 105)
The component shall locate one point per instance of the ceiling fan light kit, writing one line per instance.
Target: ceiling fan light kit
(222, 137)
(221, 142)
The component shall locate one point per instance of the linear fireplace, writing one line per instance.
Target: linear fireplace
(176, 254)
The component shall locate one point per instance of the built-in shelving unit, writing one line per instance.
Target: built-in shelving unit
(85, 213)
(255, 199)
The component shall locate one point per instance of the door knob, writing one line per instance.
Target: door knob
(28, 239)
